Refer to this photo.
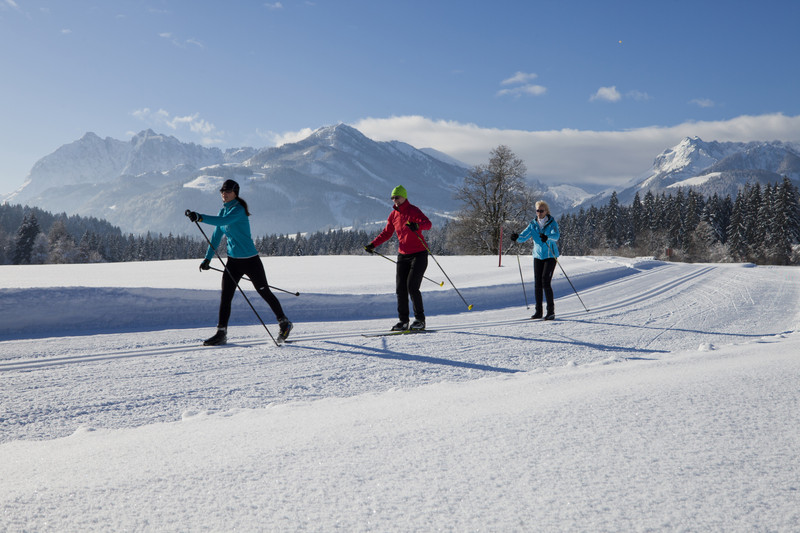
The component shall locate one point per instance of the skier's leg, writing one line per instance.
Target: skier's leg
(401, 286)
(547, 276)
(419, 264)
(230, 279)
(538, 269)
(257, 274)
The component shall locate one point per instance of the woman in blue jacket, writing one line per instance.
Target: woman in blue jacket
(243, 260)
(544, 232)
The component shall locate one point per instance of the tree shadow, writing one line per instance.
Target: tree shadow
(570, 342)
(385, 353)
(667, 328)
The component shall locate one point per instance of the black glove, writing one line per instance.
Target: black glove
(370, 248)
(413, 226)
(193, 216)
(205, 265)
(543, 237)
(514, 237)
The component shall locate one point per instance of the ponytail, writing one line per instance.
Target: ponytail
(244, 204)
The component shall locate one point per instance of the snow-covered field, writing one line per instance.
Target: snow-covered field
(672, 404)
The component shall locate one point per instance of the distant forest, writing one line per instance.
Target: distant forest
(29, 235)
(761, 225)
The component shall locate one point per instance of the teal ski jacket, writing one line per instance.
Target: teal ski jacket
(542, 250)
(232, 222)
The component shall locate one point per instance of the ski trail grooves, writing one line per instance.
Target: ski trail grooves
(648, 294)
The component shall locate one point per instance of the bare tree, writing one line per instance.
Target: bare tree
(494, 196)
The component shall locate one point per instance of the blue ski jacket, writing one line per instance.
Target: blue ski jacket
(542, 250)
(232, 222)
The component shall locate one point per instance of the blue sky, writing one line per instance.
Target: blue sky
(585, 92)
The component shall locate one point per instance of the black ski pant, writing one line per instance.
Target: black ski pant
(543, 270)
(410, 271)
(254, 269)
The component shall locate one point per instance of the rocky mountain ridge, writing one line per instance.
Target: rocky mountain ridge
(711, 168)
(336, 177)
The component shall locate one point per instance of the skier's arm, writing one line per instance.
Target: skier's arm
(234, 215)
(385, 235)
(216, 238)
(526, 234)
(419, 217)
(552, 232)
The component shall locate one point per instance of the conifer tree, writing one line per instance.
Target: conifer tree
(26, 237)
(783, 224)
(737, 235)
(61, 244)
(789, 202)
(651, 208)
(612, 222)
(638, 219)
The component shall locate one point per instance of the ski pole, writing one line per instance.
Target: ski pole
(523, 282)
(270, 286)
(469, 306)
(439, 283)
(520, 275)
(216, 253)
(565, 275)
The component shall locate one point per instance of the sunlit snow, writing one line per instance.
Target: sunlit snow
(670, 404)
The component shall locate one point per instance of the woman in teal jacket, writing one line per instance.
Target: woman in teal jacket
(544, 232)
(243, 260)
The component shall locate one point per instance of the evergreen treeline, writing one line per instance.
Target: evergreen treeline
(762, 225)
(33, 236)
(339, 242)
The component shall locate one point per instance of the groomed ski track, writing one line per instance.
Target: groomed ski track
(644, 314)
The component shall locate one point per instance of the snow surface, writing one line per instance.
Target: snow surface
(205, 183)
(695, 181)
(672, 404)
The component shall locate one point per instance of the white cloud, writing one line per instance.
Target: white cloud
(181, 43)
(519, 77)
(276, 5)
(194, 122)
(279, 139)
(702, 102)
(523, 88)
(11, 4)
(638, 95)
(609, 94)
(158, 119)
(611, 158)
(533, 90)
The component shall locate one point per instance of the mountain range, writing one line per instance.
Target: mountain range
(336, 177)
(711, 168)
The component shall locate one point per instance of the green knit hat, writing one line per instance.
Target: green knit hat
(400, 191)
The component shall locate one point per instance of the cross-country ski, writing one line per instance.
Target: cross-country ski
(401, 332)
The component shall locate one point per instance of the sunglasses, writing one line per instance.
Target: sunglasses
(225, 190)
(540, 210)
(394, 197)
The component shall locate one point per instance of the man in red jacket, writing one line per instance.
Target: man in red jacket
(412, 260)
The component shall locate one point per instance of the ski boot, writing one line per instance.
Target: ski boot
(219, 338)
(285, 328)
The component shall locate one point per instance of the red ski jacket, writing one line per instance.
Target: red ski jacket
(409, 240)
